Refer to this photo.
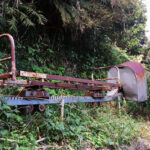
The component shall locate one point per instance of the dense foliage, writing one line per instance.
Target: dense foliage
(82, 128)
(70, 37)
(83, 34)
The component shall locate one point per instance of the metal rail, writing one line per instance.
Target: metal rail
(13, 60)
(12, 101)
(35, 87)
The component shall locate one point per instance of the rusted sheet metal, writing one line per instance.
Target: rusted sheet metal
(70, 79)
(133, 80)
(136, 67)
(13, 60)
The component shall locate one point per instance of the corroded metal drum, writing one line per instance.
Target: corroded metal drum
(132, 79)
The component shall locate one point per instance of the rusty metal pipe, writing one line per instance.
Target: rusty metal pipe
(107, 79)
(62, 78)
(99, 68)
(5, 59)
(5, 76)
(13, 61)
(103, 67)
(106, 67)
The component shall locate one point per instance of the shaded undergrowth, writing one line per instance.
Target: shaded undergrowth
(98, 127)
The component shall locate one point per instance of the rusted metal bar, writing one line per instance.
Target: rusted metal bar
(56, 77)
(54, 85)
(92, 75)
(14, 83)
(103, 67)
(107, 79)
(5, 76)
(13, 61)
(5, 59)
(99, 68)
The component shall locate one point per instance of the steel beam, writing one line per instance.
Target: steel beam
(62, 78)
(54, 100)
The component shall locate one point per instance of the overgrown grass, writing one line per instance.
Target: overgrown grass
(92, 127)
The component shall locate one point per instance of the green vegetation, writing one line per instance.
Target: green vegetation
(84, 34)
(71, 38)
(82, 126)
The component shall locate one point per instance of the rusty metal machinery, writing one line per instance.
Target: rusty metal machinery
(133, 80)
(34, 84)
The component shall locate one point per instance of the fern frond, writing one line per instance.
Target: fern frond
(9, 10)
(33, 13)
(24, 18)
(68, 12)
(13, 24)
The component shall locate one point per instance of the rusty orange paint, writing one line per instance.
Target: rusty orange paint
(137, 68)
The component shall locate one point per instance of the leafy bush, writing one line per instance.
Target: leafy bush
(101, 127)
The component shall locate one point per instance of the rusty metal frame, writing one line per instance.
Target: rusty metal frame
(10, 79)
(13, 60)
(107, 67)
(56, 100)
